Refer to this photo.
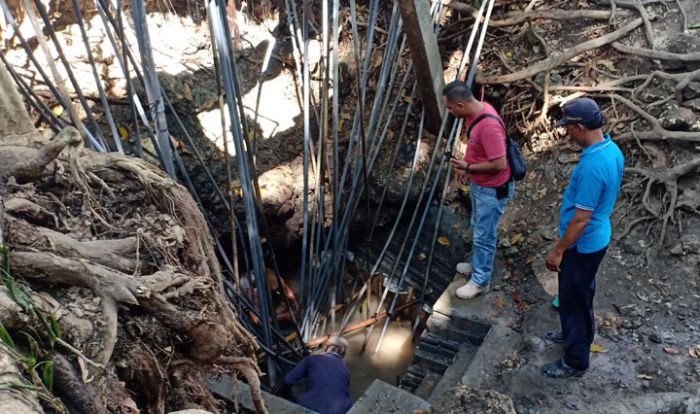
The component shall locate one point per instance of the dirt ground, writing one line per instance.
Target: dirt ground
(648, 300)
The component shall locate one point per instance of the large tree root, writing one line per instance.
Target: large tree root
(669, 179)
(559, 58)
(657, 54)
(121, 256)
(657, 132)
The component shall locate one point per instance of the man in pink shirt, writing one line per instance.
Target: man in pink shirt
(486, 164)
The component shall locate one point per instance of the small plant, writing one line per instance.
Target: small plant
(36, 364)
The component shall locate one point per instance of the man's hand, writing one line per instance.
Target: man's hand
(461, 166)
(553, 261)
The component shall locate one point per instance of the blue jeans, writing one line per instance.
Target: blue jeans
(486, 213)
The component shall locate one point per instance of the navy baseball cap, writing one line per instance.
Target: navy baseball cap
(584, 111)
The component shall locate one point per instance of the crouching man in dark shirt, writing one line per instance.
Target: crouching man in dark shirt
(328, 379)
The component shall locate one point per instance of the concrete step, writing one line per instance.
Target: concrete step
(412, 378)
(223, 385)
(426, 386)
(454, 373)
(431, 362)
(383, 398)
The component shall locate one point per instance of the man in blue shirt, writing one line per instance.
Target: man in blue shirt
(584, 233)
(328, 379)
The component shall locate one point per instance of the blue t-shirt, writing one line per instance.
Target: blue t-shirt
(594, 185)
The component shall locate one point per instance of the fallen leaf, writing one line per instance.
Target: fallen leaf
(187, 92)
(598, 348)
(671, 350)
(530, 259)
(500, 302)
(694, 352)
(421, 257)
(465, 188)
(123, 132)
(443, 241)
(57, 110)
(645, 377)
(516, 238)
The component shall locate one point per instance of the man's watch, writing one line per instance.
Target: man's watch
(467, 170)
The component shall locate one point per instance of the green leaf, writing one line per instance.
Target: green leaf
(5, 260)
(22, 386)
(56, 327)
(18, 294)
(47, 374)
(6, 338)
(695, 26)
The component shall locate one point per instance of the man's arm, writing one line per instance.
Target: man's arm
(297, 373)
(573, 232)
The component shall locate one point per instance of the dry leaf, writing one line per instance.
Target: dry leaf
(694, 352)
(123, 132)
(598, 348)
(530, 259)
(516, 238)
(645, 376)
(57, 110)
(421, 257)
(443, 241)
(187, 92)
(671, 350)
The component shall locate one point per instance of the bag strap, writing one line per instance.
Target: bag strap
(481, 118)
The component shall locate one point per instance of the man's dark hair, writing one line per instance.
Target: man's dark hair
(457, 91)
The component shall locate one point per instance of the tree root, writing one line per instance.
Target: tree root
(27, 164)
(105, 252)
(559, 58)
(658, 132)
(657, 54)
(250, 371)
(669, 178)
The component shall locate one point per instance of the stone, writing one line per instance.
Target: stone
(677, 250)
(655, 338)
(692, 104)
(548, 279)
(692, 91)
(691, 243)
(694, 389)
(463, 400)
(567, 158)
(677, 118)
(534, 344)
(190, 412)
(635, 246)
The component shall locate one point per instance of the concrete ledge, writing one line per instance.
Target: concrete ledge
(498, 342)
(491, 308)
(383, 398)
(224, 386)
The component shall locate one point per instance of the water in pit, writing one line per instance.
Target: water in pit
(392, 360)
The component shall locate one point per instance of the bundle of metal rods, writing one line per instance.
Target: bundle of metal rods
(344, 178)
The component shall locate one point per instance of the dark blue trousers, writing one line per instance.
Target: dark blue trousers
(576, 292)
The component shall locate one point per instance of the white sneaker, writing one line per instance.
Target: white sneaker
(464, 268)
(470, 290)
